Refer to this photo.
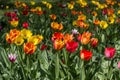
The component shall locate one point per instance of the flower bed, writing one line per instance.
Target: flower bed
(69, 40)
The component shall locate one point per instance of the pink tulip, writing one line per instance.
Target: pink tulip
(71, 46)
(109, 52)
(119, 64)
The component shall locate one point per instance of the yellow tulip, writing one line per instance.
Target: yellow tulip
(14, 23)
(32, 3)
(36, 39)
(118, 12)
(103, 24)
(19, 41)
(26, 33)
(70, 6)
(111, 20)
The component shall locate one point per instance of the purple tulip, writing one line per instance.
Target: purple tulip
(1, 28)
(12, 57)
(74, 31)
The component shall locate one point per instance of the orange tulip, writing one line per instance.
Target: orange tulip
(68, 37)
(80, 23)
(85, 38)
(96, 22)
(74, 12)
(29, 48)
(110, 11)
(53, 16)
(81, 17)
(58, 44)
(56, 26)
(10, 38)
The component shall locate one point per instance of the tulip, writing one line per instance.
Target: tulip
(105, 11)
(58, 44)
(36, 39)
(94, 42)
(103, 24)
(25, 33)
(109, 52)
(12, 57)
(85, 38)
(25, 25)
(1, 28)
(29, 48)
(71, 46)
(119, 64)
(68, 37)
(53, 16)
(57, 35)
(10, 37)
(19, 41)
(74, 31)
(43, 47)
(85, 54)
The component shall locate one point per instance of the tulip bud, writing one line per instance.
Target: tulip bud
(119, 64)
(94, 42)
(109, 52)
(12, 57)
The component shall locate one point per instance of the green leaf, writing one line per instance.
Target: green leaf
(57, 67)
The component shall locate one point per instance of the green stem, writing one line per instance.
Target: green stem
(82, 75)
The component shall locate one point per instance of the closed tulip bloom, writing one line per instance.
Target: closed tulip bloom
(25, 25)
(70, 6)
(53, 16)
(103, 24)
(119, 64)
(29, 48)
(109, 52)
(111, 20)
(14, 22)
(94, 42)
(75, 31)
(71, 46)
(43, 47)
(12, 57)
(85, 54)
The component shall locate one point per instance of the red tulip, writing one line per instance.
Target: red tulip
(109, 52)
(57, 35)
(71, 46)
(25, 25)
(43, 47)
(25, 12)
(85, 54)
(94, 42)
(105, 11)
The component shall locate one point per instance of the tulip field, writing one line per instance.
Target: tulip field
(60, 40)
